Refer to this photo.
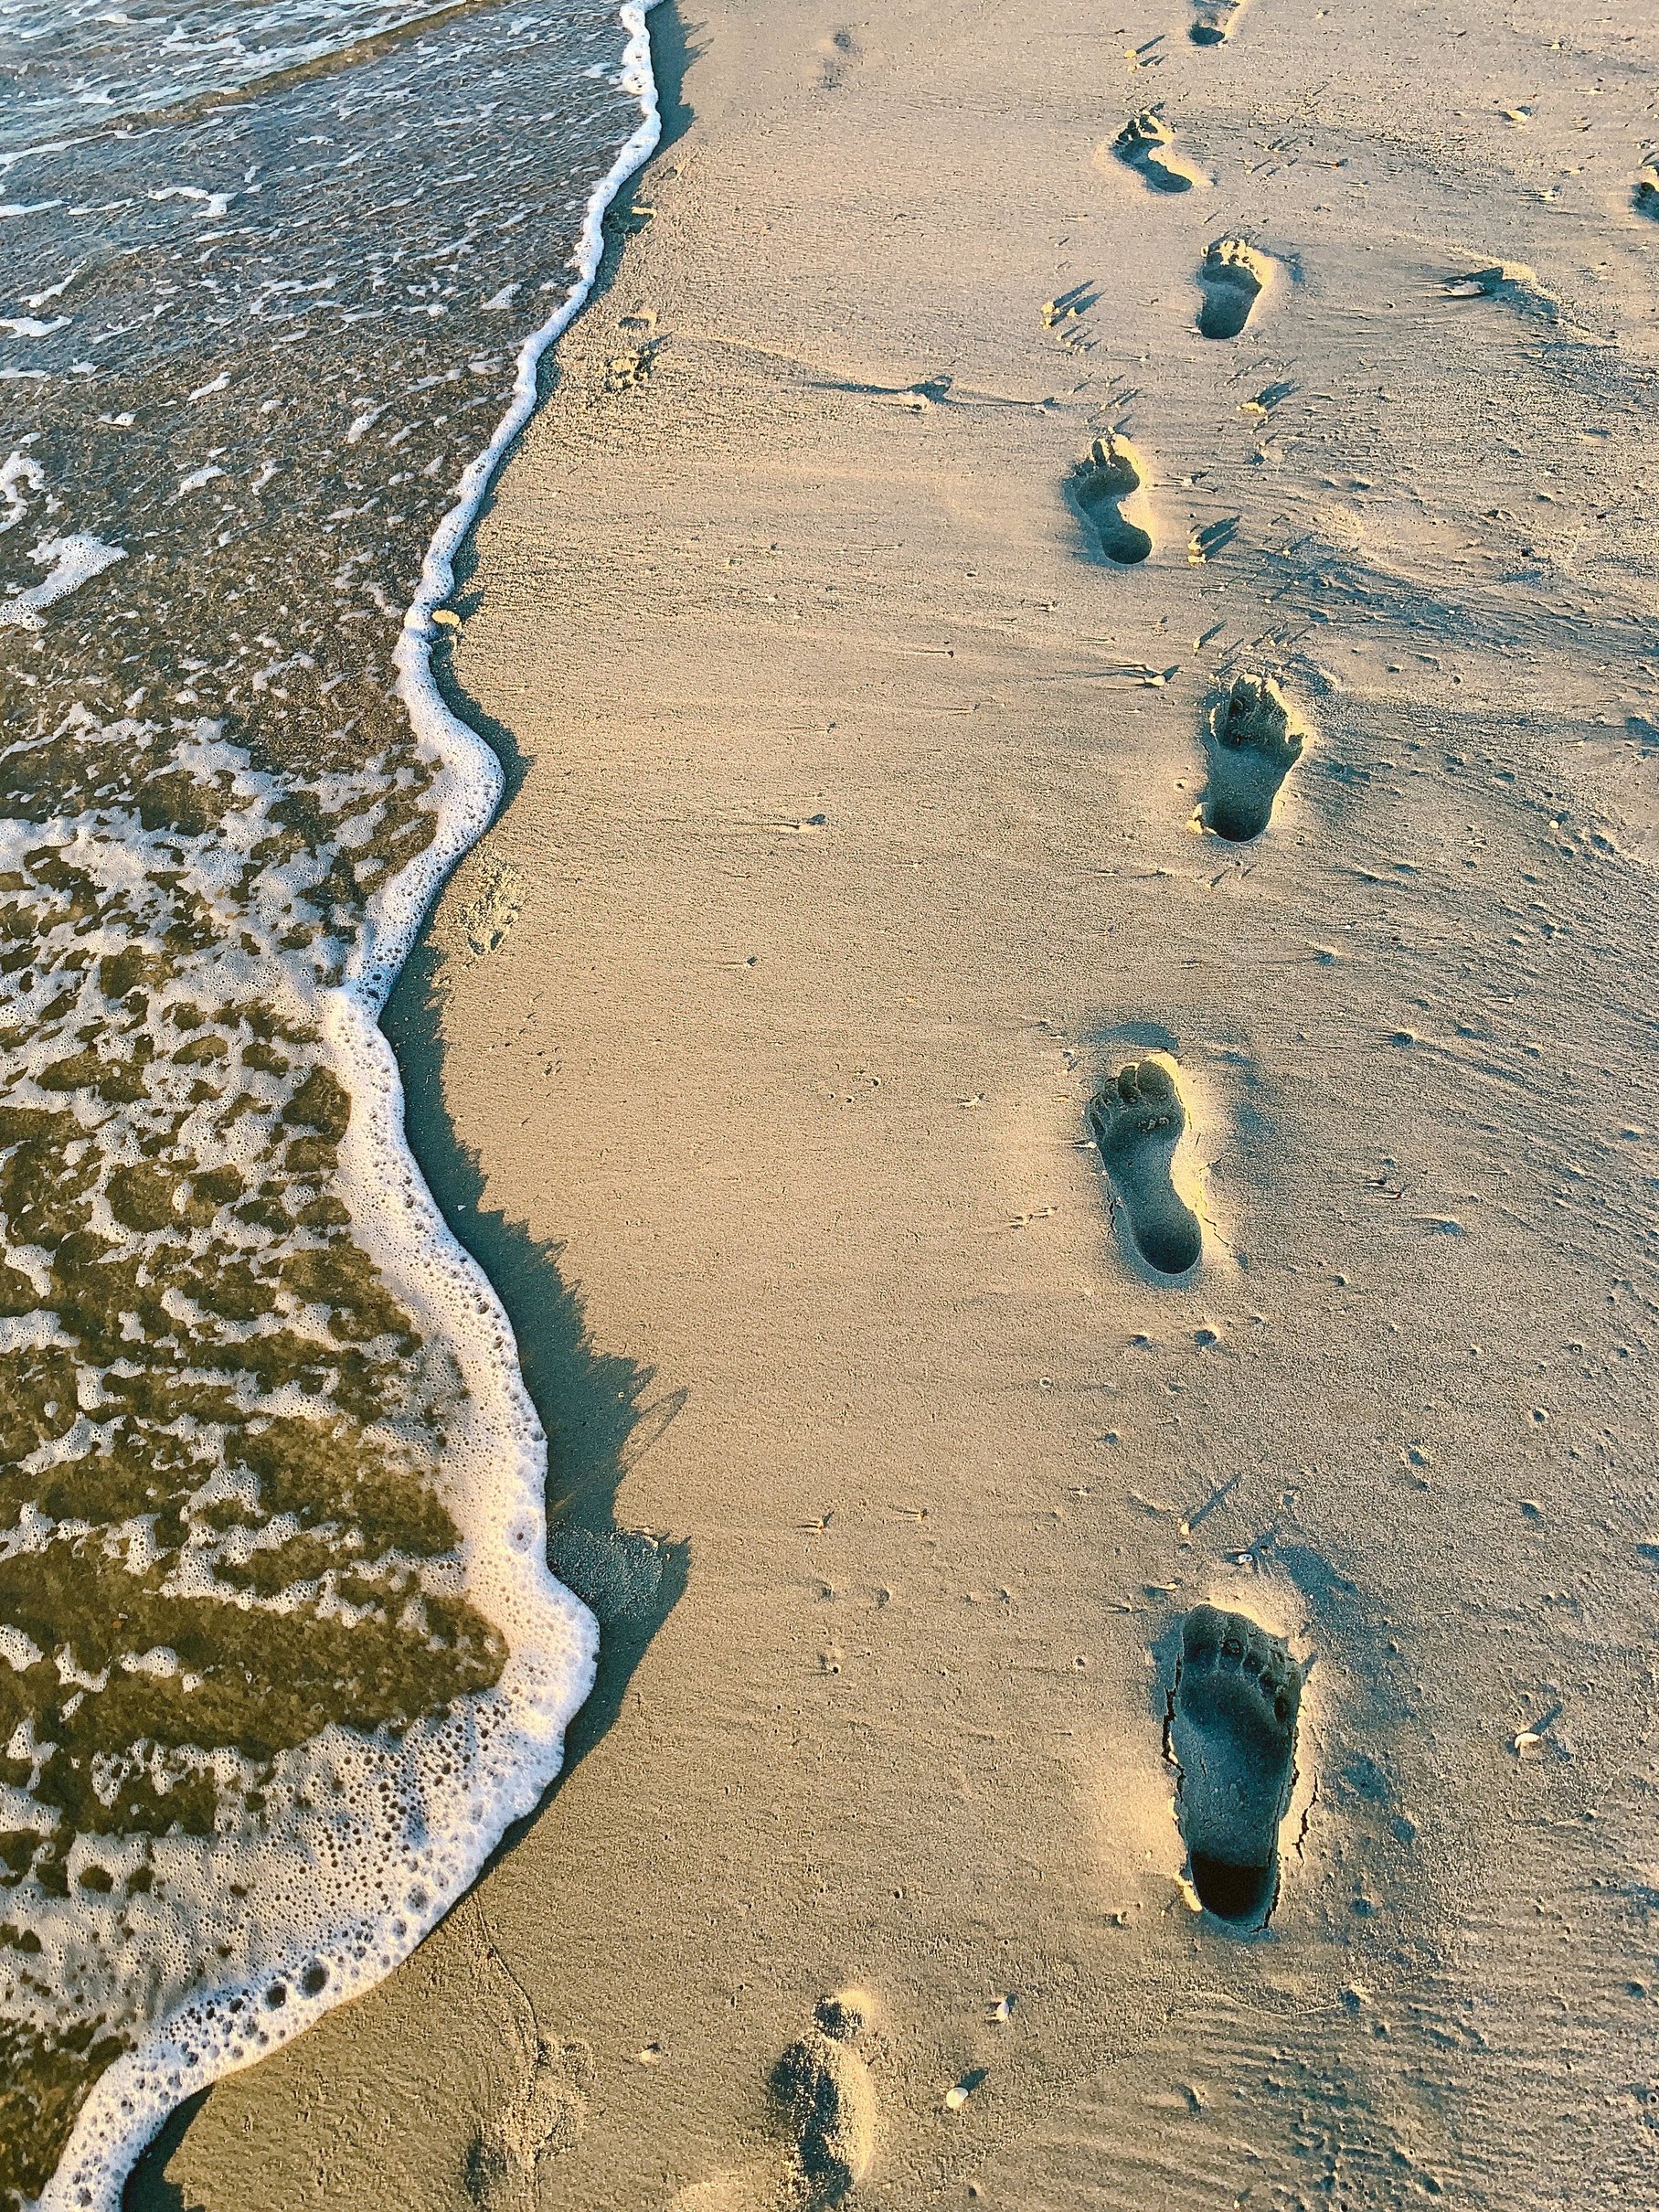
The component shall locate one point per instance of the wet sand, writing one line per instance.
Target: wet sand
(865, 824)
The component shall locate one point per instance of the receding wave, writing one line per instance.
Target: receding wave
(280, 1656)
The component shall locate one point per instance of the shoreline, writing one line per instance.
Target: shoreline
(201, 2042)
(853, 864)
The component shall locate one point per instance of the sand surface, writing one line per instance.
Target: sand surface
(857, 839)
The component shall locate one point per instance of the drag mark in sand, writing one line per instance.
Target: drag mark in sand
(1137, 1121)
(1109, 480)
(1234, 276)
(1232, 1735)
(1144, 145)
(1254, 739)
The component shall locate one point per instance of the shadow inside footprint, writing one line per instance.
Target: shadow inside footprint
(1137, 1122)
(1232, 1733)
(1211, 25)
(1108, 475)
(1141, 143)
(1254, 741)
(1646, 195)
(827, 2089)
(1234, 277)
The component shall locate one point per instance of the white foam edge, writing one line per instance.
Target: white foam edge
(470, 769)
(133, 2098)
(74, 560)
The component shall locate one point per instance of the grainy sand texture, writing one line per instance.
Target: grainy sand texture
(1060, 1028)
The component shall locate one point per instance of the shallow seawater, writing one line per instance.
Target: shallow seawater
(279, 1654)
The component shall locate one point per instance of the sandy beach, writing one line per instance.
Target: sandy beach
(868, 791)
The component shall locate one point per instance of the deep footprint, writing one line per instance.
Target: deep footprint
(1646, 195)
(1255, 738)
(1143, 142)
(1232, 1731)
(1137, 1122)
(1215, 21)
(826, 2090)
(1103, 482)
(1234, 277)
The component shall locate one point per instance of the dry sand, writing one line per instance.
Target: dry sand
(858, 840)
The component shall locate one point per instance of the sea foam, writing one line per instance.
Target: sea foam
(363, 1840)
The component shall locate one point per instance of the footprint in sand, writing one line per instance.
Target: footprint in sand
(838, 56)
(1137, 1122)
(827, 2100)
(824, 2087)
(1254, 739)
(1234, 277)
(1106, 482)
(543, 2116)
(1143, 143)
(489, 916)
(1232, 1733)
(1215, 21)
(1646, 195)
(542, 2112)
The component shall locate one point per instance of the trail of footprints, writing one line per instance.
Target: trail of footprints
(1234, 1702)
(1253, 734)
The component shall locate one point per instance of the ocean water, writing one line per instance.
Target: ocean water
(280, 1656)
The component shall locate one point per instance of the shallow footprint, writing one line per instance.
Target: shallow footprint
(1232, 1731)
(1143, 144)
(1514, 282)
(826, 2090)
(543, 2117)
(1234, 277)
(1137, 1122)
(1255, 738)
(1105, 482)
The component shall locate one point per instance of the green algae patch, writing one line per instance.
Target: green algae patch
(44, 2081)
(222, 1440)
(128, 1727)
